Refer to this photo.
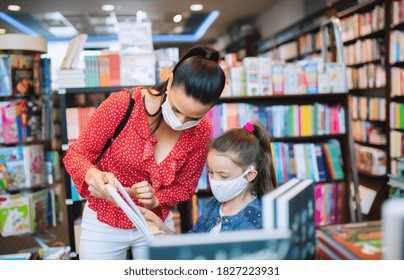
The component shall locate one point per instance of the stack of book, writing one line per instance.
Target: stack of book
(291, 207)
(70, 78)
(396, 180)
(353, 241)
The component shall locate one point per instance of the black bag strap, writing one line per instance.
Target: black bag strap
(120, 127)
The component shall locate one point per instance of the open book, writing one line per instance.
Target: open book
(130, 209)
(76, 45)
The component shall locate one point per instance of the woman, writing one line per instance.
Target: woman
(159, 154)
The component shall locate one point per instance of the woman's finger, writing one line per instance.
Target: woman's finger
(147, 195)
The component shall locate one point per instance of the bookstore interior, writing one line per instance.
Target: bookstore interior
(325, 78)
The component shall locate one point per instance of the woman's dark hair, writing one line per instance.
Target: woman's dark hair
(199, 74)
(250, 148)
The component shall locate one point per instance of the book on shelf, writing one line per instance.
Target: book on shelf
(397, 81)
(366, 198)
(396, 115)
(370, 160)
(282, 120)
(353, 241)
(15, 215)
(23, 165)
(39, 211)
(396, 181)
(400, 167)
(396, 46)
(397, 12)
(319, 161)
(328, 198)
(75, 47)
(70, 78)
(396, 144)
(5, 77)
(291, 207)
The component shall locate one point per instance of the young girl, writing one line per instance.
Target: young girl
(241, 171)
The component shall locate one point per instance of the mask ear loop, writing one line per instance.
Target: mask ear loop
(252, 167)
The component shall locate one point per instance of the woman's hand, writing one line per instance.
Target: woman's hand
(144, 192)
(97, 180)
(155, 223)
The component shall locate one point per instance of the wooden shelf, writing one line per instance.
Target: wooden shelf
(377, 146)
(399, 26)
(377, 122)
(35, 142)
(376, 61)
(368, 174)
(20, 96)
(365, 6)
(398, 64)
(92, 90)
(398, 98)
(313, 138)
(372, 35)
(297, 98)
(369, 92)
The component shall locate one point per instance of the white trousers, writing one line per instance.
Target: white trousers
(100, 241)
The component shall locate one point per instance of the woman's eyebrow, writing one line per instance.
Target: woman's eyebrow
(176, 109)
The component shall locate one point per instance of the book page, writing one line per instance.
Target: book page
(130, 209)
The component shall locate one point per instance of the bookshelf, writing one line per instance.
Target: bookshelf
(368, 29)
(76, 98)
(391, 24)
(30, 181)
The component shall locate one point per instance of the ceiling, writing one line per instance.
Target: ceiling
(60, 20)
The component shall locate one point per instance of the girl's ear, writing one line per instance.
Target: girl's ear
(250, 176)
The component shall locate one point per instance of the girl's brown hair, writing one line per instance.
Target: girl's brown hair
(250, 148)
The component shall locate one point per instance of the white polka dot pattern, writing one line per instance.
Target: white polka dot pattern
(130, 157)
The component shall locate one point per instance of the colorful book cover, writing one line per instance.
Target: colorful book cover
(355, 240)
(15, 216)
(5, 76)
(311, 74)
(13, 159)
(295, 211)
(34, 165)
(21, 74)
(265, 76)
(9, 121)
(278, 78)
(322, 169)
(39, 211)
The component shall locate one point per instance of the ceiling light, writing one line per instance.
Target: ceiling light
(178, 29)
(2, 31)
(108, 8)
(14, 8)
(177, 18)
(196, 7)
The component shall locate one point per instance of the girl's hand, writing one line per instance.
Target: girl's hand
(144, 192)
(97, 180)
(155, 223)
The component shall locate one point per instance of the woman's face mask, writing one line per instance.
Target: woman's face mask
(225, 190)
(172, 120)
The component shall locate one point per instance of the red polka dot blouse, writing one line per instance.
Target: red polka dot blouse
(130, 157)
